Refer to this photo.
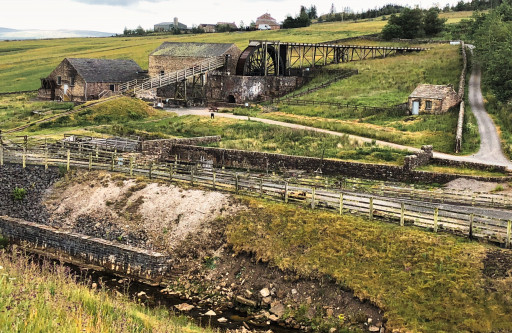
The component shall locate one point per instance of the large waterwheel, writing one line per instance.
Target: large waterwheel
(260, 59)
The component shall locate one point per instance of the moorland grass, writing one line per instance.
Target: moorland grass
(23, 63)
(424, 282)
(47, 298)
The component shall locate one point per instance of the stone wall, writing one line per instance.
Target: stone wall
(164, 146)
(35, 180)
(118, 258)
(277, 162)
(240, 89)
(470, 165)
(462, 80)
(460, 126)
(419, 159)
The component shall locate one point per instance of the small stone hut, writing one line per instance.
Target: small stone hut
(172, 56)
(433, 99)
(81, 79)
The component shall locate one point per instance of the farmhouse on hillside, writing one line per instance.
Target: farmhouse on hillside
(80, 79)
(169, 26)
(207, 27)
(433, 99)
(267, 22)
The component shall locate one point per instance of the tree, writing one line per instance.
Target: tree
(312, 13)
(432, 24)
(140, 31)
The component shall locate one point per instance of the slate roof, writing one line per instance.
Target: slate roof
(432, 91)
(198, 50)
(105, 70)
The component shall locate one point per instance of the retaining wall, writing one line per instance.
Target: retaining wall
(159, 147)
(277, 162)
(123, 259)
(471, 165)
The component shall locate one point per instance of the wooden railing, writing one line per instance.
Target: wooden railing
(174, 77)
(401, 210)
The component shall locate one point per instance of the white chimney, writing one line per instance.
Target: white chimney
(176, 22)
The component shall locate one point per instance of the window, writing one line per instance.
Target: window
(59, 80)
(72, 81)
(162, 72)
(112, 87)
(428, 105)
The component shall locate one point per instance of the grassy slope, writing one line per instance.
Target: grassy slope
(425, 282)
(22, 63)
(387, 82)
(47, 299)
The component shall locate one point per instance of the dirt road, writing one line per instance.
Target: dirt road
(490, 144)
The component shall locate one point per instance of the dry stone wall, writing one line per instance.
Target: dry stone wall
(276, 162)
(114, 257)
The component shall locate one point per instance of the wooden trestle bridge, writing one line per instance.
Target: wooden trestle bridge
(276, 58)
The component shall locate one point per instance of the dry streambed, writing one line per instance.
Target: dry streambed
(188, 225)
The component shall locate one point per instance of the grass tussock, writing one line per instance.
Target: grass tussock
(47, 298)
(424, 282)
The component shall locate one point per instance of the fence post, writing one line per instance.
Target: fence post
(213, 179)
(313, 198)
(402, 214)
(286, 192)
(1, 155)
(150, 170)
(45, 158)
(509, 232)
(236, 183)
(341, 203)
(112, 166)
(90, 161)
(131, 165)
(370, 209)
(192, 176)
(261, 187)
(471, 219)
(436, 214)
(24, 158)
(171, 172)
(68, 160)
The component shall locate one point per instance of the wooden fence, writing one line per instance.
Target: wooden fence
(403, 211)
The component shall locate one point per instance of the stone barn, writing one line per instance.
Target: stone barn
(171, 56)
(80, 79)
(432, 99)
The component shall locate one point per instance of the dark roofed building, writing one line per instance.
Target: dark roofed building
(173, 56)
(81, 79)
(430, 98)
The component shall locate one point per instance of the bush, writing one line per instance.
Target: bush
(19, 193)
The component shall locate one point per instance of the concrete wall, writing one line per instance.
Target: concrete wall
(277, 162)
(89, 250)
(35, 180)
(250, 88)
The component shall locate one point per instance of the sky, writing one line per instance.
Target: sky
(114, 15)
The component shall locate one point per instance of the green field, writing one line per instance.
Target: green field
(424, 282)
(23, 63)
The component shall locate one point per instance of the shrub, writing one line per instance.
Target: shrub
(19, 193)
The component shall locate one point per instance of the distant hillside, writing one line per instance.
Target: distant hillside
(13, 34)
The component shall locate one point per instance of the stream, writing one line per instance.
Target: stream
(153, 297)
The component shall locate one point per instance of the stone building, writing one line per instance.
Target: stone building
(265, 21)
(169, 26)
(80, 79)
(433, 99)
(207, 27)
(171, 56)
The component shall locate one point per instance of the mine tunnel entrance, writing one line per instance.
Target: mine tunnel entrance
(231, 99)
